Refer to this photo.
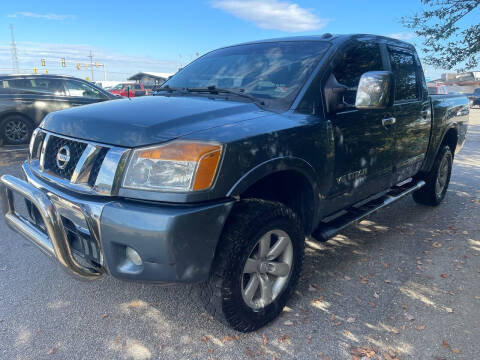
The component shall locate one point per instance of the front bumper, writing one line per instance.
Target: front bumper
(176, 243)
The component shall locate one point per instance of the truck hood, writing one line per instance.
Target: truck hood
(147, 120)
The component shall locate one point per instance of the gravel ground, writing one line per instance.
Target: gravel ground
(403, 284)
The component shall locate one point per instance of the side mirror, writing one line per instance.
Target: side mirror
(375, 90)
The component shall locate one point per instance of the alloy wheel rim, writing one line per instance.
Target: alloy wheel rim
(267, 269)
(442, 176)
(16, 130)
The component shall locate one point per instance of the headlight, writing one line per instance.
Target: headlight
(176, 166)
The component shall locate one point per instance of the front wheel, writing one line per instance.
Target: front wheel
(437, 180)
(257, 265)
(15, 130)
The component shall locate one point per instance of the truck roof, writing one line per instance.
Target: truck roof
(332, 38)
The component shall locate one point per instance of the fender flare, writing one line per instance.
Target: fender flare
(432, 153)
(271, 166)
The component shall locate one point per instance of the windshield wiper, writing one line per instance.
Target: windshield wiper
(212, 89)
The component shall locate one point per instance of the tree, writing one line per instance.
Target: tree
(449, 37)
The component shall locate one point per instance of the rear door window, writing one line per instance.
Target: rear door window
(404, 68)
(34, 85)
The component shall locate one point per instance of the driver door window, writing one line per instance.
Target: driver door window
(352, 64)
(79, 89)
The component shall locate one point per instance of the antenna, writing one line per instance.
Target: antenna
(13, 50)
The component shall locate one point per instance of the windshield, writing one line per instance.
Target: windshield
(273, 72)
(477, 92)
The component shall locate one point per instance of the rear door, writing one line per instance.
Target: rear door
(36, 96)
(364, 147)
(411, 111)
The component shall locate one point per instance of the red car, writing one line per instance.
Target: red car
(128, 90)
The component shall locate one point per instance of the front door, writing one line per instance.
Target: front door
(80, 93)
(364, 145)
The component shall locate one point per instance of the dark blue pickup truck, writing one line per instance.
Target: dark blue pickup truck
(219, 178)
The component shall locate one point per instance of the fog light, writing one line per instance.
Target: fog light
(133, 256)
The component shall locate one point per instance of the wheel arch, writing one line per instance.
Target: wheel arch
(289, 180)
(9, 113)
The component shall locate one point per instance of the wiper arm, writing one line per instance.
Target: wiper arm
(212, 89)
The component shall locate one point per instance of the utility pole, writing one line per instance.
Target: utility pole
(13, 50)
(91, 63)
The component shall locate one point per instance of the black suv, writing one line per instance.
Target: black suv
(26, 99)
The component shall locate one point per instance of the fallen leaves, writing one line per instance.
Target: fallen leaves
(420, 327)
(447, 346)
(135, 304)
(359, 352)
(288, 323)
(104, 316)
(284, 338)
(249, 352)
(230, 338)
(52, 351)
(351, 320)
(436, 244)
(444, 276)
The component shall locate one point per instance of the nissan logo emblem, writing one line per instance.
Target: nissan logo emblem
(63, 157)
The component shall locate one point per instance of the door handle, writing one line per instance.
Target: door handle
(389, 121)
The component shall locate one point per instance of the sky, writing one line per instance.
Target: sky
(161, 36)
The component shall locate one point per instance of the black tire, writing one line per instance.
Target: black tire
(15, 130)
(429, 194)
(222, 295)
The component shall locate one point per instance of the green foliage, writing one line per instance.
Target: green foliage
(449, 37)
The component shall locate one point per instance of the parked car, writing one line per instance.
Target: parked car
(26, 99)
(475, 98)
(128, 90)
(246, 151)
(438, 90)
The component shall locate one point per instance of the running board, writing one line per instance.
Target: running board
(326, 230)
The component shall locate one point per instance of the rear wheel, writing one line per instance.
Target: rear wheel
(15, 130)
(437, 180)
(257, 265)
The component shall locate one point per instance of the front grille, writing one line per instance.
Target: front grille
(54, 144)
(77, 168)
(96, 167)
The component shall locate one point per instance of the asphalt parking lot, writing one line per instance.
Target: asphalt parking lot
(403, 284)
